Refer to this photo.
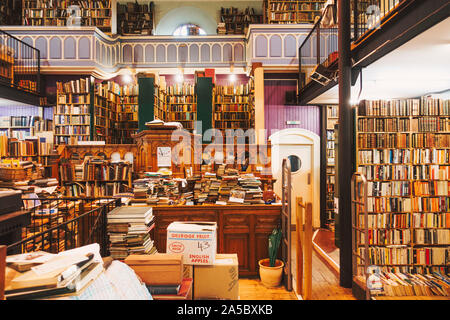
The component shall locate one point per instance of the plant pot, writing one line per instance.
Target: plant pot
(270, 276)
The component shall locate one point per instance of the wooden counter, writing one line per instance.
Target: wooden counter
(241, 229)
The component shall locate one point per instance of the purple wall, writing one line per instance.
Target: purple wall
(276, 113)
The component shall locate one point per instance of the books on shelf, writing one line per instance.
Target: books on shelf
(403, 151)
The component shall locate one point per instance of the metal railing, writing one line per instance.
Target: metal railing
(368, 15)
(320, 47)
(19, 64)
(60, 224)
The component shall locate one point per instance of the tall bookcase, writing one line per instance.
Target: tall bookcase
(56, 13)
(403, 149)
(102, 111)
(292, 11)
(72, 114)
(332, 119)
(181, 101)
(128, 113)
(134, 18)
(233, 106)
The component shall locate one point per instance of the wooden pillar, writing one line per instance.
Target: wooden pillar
(345, 155)
(258, 72)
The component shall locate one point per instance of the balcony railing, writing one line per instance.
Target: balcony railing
(61, 224)
(19, 64)
(366, 16)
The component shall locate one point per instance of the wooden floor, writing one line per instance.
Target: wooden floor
(325, 286)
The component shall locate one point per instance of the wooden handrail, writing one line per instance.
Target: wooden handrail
(2, 271)
(304, 248)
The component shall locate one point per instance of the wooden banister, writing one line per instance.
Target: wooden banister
(304, 248)
(2, 271)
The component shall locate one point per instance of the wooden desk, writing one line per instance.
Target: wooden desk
(241, 229)
(11, 225)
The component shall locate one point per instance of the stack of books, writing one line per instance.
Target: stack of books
(129, 231)
(171, 292)
(44, 275)
(252, 187)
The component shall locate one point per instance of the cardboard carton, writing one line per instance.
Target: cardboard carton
(218, 281)
(196, 241)
(158, 268)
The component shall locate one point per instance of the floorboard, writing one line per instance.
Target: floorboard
(325, 286)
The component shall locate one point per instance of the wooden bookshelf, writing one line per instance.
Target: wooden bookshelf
(403, 149)
(135, 18)
(72, 114)
(233, 106)
(95, 177)
(56, 13)
(292, 11)
(181, 102)
(128, 113)
(332, 119)
(160, 103)
(233, 21)
(10, 13)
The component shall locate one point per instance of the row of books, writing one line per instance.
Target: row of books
(401, 255)
(94, 189)
(389, 188)
(398, 236)
(383, 140)
(231, 108)
(242, 89)
(100, 170)
(72, 109)
(70, 140)
(78, 129)
(430, 188)
(414, 284)
(18, 121)
(231, 116)
(185, 89)
(181, 99)
(405, 107)
(74, 86)
(386, 220)
(430, 140)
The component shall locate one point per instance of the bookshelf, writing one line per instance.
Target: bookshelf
(19, 127)
(234, 22)
(233, 106)
(6, 64)
(104, 111)
(182, 104)
(128, 113)
(332, 119)
(9, 13)
(72, 114)
(292, 11)
(134, 18)
(403, 149)
(160, 100)
(95, 177)
(56, 13)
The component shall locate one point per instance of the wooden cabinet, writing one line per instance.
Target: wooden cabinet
(241, 229)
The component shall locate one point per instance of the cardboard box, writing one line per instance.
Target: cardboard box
(196, 241)
(219, 281)
(188, 273)
(158, 268)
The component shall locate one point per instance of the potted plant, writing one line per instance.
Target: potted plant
(271, 269)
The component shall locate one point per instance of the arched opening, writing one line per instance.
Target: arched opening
(189, 29)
